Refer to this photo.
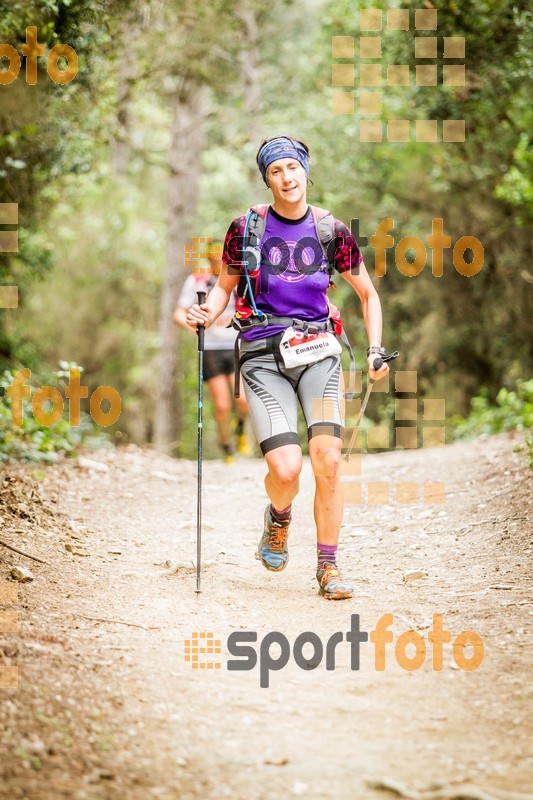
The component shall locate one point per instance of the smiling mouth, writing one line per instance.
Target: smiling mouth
(292, 189)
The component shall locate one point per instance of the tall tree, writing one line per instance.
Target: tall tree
(198, 45)
(187, 143)
(250, 71)
(128, 36)
(39, 138)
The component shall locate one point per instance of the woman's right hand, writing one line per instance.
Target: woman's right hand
(198, 315)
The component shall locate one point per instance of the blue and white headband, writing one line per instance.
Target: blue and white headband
(282, 147)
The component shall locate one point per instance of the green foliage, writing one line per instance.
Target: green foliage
(457, 332)
(92, 244)
(512, 410)
(33, 442)
(99, 301)
(516, 187)
(529, 445)
(47, 130)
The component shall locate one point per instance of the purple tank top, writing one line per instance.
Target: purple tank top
(293, 278)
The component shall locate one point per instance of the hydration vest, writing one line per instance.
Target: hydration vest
(247, 315)
(251, 254)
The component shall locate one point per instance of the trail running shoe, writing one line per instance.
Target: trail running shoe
(332, 584)
(228, 453)
(243, 448)
(272, 550)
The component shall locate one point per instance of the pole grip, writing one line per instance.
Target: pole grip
(200, 329)
(378, 362)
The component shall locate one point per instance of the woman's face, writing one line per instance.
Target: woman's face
(287, 180)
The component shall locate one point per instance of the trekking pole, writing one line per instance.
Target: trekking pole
(377, 364)
(200, 330)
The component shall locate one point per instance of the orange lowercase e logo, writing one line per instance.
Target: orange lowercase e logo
(199, 645)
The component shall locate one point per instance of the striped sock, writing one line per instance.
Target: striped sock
(280, 515)
(326, 553)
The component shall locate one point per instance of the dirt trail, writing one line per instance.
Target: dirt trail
(109, 710)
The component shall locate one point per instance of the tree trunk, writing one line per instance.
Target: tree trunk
(187, 142)
(127, 75)
(249, 59)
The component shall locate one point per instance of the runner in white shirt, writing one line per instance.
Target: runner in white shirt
(219, 342)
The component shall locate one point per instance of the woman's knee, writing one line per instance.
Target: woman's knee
(285, 464)
(325, 455)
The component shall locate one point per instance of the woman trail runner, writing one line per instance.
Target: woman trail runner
(285, 299)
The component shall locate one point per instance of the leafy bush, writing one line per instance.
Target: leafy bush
(529, 445)
(512, 411)
(33, 442)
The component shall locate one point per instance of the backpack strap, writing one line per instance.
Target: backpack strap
(320, 213)
(325, 231)
(254, 229)
(260, 209)
(246, 290)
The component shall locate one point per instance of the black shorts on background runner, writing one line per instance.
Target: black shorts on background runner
(218, 362)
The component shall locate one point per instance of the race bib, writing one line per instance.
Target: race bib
(297, 348)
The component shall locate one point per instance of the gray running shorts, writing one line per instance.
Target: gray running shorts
(272, 391)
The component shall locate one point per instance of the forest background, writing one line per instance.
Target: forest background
(153, 143)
